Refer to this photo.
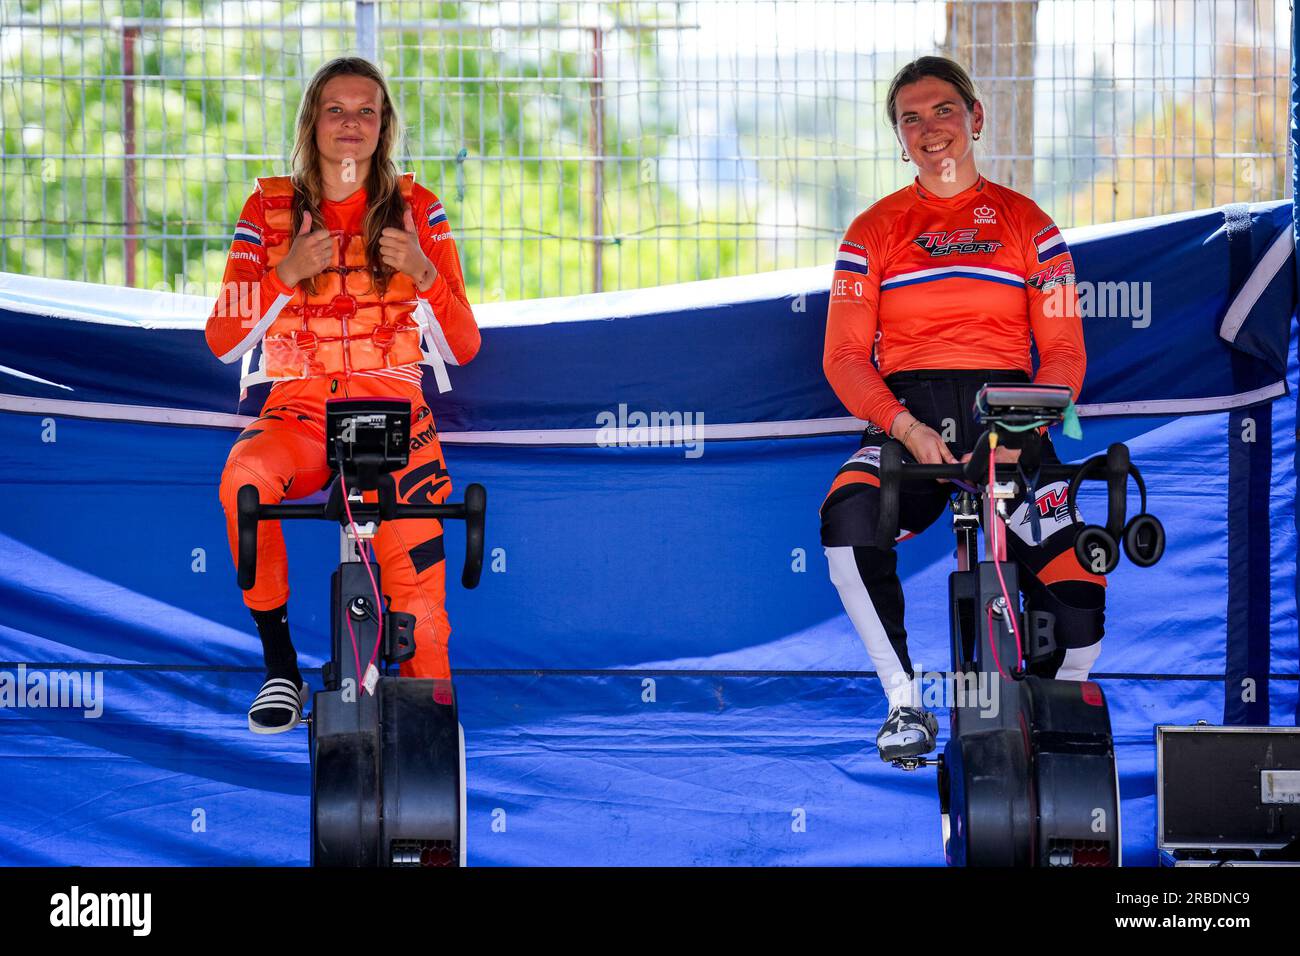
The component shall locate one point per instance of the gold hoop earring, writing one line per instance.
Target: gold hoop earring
(975, 135)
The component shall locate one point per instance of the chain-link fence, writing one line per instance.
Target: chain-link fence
(584, 146)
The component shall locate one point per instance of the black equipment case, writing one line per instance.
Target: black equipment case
(1227, 795)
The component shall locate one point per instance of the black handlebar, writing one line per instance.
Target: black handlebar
(472, 511)
(475, 506)
(1115, 464)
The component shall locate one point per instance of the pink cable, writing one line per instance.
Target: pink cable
(356, 654)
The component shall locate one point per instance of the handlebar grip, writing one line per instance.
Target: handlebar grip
(247, 506)
(1117, 469)
(475, 520)
(891, 466)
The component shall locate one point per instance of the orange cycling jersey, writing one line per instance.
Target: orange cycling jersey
(958, 282)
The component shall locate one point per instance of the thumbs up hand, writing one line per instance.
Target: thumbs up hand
(311, 252)
(400, 250)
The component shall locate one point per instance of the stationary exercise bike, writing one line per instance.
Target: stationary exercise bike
(1029, 780)
(387, 752)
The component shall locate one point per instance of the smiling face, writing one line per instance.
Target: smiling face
(935, 126)
(348, 124)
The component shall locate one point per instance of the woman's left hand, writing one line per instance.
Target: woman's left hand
(400, 250)
(1003, 454)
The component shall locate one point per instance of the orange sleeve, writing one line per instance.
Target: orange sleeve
(251, 296)
(1053, 304)
(851, 324)
(457, 334)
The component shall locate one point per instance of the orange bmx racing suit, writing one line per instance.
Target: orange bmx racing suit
(349, 340)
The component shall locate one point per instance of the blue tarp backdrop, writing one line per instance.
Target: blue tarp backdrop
(655, 669)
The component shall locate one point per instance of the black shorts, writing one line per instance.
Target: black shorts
(941, 399)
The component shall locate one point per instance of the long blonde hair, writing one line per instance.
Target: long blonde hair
(384, 204)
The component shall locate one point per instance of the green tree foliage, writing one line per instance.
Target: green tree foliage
(497, 123)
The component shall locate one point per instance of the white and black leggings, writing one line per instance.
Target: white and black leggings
(865, 571)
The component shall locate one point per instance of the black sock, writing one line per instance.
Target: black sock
(277, 650)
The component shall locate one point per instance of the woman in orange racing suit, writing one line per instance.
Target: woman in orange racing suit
(946, 280)
(346, 275)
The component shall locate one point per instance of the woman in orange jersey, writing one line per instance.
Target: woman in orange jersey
(947, 282)
(345, 278)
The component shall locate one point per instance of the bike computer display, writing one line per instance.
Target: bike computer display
(371, 432)
(1016, 404)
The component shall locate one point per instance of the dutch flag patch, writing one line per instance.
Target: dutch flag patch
(851, 258)
(1049, 243)
(437, 214)
(245, 231)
